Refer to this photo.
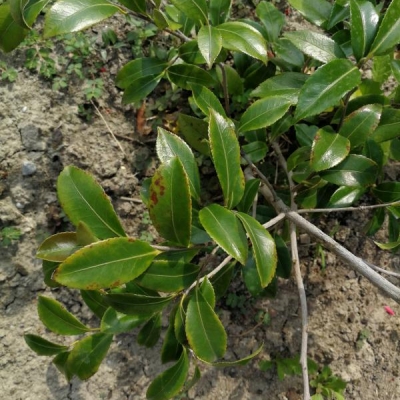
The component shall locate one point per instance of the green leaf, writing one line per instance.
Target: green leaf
(141, 88)
(48, 269)
(233, 81)
(195, 133)
(185, 75)
(251, 277)
(316, 45)
(207, 290)
(194, 9)
(364, 23)
(340, 12)
(264, 249)
(389, 126)
(205, 333)
(345, 196)
(60, 361)
(138, 6)
(287, 56)
(272, 19)
(11, 34)
(255, 151)
(264, 112)
(171, 348)
(374, 151)
(104, 264)
(241, 362)
(250, 192)
(210, 43)
(137, 304)
(389, 30)
(316, 11)
(326, 87)
(206, 100)
(284, 266)
(58, 247)
(190, 53)
(396, 69)
(355, 170)
(376, 222)
(169, 276)
(94, 300)
(239, 36)
(219, 11)
(134, 70)
(226, 157)
(56, 318)
(170, 205)
(42, 346)
(169, 146)
(87, 354)
(25, 12)
(388, 246)
(387, 191)
(222, 225)
(328, 150)
(66, 16)
(83, 200)
(360, 124)
(381, 68)
(300, 155)
(17, 12)
(222, 279)
(115, 322)
(150, 333)
(180, 320)
(170, 382)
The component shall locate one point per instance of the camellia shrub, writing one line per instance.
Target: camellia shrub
(259, 96)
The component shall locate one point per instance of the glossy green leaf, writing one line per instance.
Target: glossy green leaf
(17, 12)
(195, 133)
(251, 278)
(169, 276)
(389, 30)
(185, 75)
(206, 100)
(231, 78)
(272, 19)
(150, 332)
(375, 223)
(396, 69)
(300, 155)
(94, 300)
(287, 56)
(389, 245)
(222, 279)
(190, 53)
(56, 318)
(58, 247)
(374, 151)
(180, 320)
(222, 225)
(11, 34)
(219, 11)
(48, 269)
(316, 45)
(87, 354)
(389, 126)
(355, 170)
(328, 150)
(138, 6)
(171, 348)
(264, 249)
(345, 196)
(84, 235)
(226, 157)
(60, 361)
(364, 23)
(250, 192)
(134, 70)
(104, 264)
(387, 191)
(210, 43)
(255, 151)
(256, 73)
(326, 87)
(170, 202)
(194, 9)
(316, 11)
(169, 146)
(83, 199)
(241, 362)
(239, 36)
(140, 88)
(340, 12)
(207, 290)
(305, 134)
(66, 16)
(194, 379)
(205, 333)
(381, 68)
(264, 112)
(42, 346)
(170, 382)
(115, 322)
(137, 304)
(360, 124)
(25, 12)
(285, 263)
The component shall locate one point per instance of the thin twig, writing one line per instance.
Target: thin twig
(132, 199)
(384, 271)
(359, 208)
(109, 129)
(274, 221)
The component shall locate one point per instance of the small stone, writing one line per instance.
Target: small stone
(30, 136)
(28, 168)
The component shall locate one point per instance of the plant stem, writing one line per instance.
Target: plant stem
(359, 208)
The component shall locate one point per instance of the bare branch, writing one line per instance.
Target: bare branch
(359, 208)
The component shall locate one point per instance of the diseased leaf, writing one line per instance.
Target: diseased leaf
(87, 354)
(222, 225)
(205, 333)
(42, 346)
(115, 322)
(264, 249)
(56, 318)
(104, 264)
(58, 247)
(170, 382)
(326, 87)
(83, 200)
(210, 43)
(170, 205)
(66, 16)
(150, 333)
(226, 157)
